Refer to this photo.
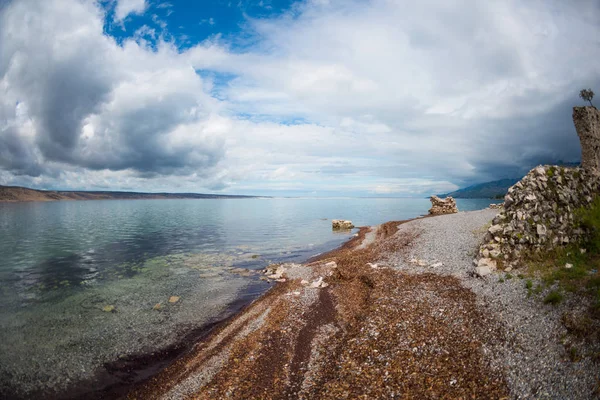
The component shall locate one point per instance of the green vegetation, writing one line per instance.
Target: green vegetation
(587, 95)
(550, 172)
(529, 286)
(554, 297)
(574, 268)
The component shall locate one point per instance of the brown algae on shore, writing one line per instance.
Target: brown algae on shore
(372, 333)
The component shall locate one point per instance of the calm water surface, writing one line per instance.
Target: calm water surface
(61, 263)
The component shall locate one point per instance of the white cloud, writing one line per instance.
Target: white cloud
(126, 7)
(383, 97)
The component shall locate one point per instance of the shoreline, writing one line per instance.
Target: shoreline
(368, 319)
(152, 365)
(319, 313)
(121, 376)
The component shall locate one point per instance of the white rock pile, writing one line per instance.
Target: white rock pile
(442, 206)
(538, 214)
(339, 224)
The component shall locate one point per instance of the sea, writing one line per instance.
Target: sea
(98, 295)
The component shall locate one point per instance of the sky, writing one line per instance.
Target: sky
(292, 98)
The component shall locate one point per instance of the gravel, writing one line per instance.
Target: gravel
(532, 351)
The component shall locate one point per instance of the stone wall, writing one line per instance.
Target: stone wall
(442, 206)
(587, 124)
(538, 214)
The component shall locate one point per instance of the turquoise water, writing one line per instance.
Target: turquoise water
(61, 263)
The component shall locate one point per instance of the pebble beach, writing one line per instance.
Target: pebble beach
(395, 313)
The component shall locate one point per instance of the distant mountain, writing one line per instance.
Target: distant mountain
(17, 193)
(487, 190)
(495, 189)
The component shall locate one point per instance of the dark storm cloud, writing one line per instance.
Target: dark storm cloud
(16, 155)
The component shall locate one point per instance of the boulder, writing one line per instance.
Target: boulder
(442, 206)
(339, 224)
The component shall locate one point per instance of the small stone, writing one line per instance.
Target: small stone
(109, 308)
(374, 266)
(487, 262)
(174, 299)
(317, 283)
(304, 282)
(482, 271)
(495, 229)
(568, 266)
(157, 307)
(437, 265)
(331, 264)
(582, 251)
(508, 201)
(541, 230)
(494, 253)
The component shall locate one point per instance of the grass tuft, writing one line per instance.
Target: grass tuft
(554, 298)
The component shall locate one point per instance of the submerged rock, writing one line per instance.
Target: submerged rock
(109, 308)
(174, 299)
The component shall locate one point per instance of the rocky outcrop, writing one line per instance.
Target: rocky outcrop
(442, 206)
(339, 224)
(587, 124)
(496, 206)
(539, 214)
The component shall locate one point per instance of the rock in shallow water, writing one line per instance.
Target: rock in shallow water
(338, 224)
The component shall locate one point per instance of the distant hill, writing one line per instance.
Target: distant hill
(495, 189)
(487, 190)
(17, 193)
